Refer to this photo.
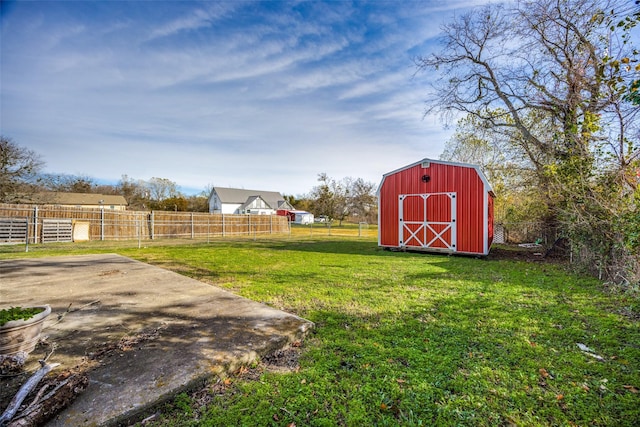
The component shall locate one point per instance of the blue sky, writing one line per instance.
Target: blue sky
(257, 95)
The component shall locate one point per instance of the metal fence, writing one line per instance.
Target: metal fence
(334, 229)
(524, 232)
(44, 223)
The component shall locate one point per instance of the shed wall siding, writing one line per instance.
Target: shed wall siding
(473, 217)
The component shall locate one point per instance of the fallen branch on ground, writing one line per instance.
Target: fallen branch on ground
(60, 392)
(66, 388)
(68, 310)
(25, 390)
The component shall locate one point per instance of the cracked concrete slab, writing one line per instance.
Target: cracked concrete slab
(172, 332)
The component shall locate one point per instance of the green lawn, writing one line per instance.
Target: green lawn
(415, 339)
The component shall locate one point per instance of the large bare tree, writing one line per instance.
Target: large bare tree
(556, 78)
(339, 199)
(559, 59)
(161, 188)
(18, 167)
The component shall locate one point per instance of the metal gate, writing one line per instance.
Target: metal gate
(427, 221)
(14, 230)
(57, 230)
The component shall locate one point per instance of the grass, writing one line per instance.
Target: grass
(415, 339)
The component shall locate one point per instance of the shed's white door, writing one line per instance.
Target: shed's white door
(427, 221)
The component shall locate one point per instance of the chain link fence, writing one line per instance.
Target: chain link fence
(45, 224)
(525, 232)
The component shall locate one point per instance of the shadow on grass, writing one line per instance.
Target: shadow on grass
(459, 361)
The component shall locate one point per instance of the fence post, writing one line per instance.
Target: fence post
(101, 223)
(192, 229)
(26, 239)
(208, 227)
(249, 225)
(35, 224)
(223, 231)
(151, 224)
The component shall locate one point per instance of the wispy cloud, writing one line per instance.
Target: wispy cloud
(233, 93)
(193, 19)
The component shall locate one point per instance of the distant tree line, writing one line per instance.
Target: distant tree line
(21, 177)
(352, 199)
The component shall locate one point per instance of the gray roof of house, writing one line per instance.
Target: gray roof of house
(241, 196)
(58, 198)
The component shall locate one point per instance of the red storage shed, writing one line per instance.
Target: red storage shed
(436, 206)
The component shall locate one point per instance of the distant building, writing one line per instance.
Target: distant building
(78, 200)
(297, 217)
(240, 201)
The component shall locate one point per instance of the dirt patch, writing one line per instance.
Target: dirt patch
(555, 254)
(281, 361)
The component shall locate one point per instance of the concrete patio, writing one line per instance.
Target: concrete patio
(179, 333)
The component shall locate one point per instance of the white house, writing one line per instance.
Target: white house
(240, 201)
